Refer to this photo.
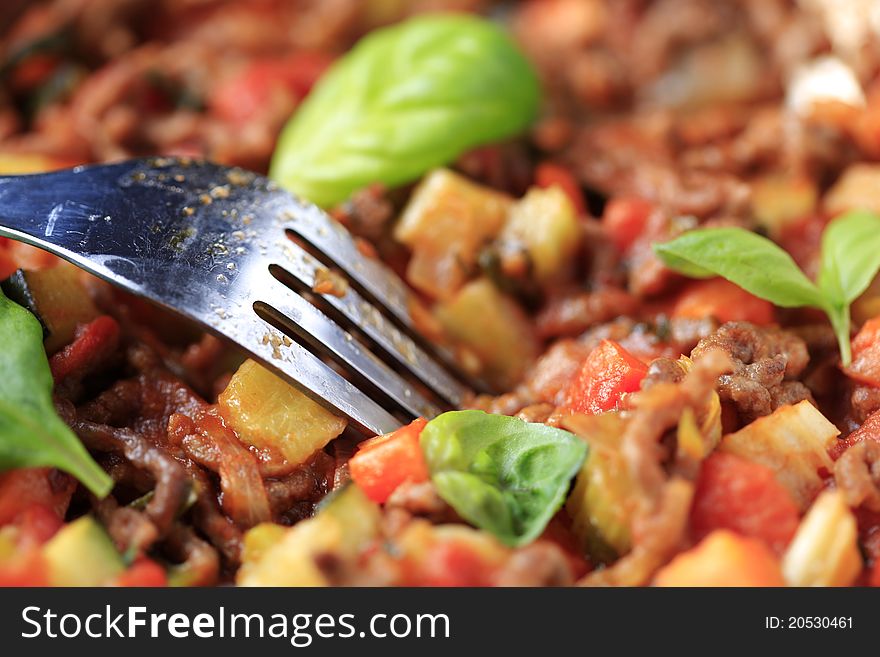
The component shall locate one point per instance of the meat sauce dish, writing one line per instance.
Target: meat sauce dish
(653, 226)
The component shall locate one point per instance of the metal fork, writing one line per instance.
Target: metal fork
(214, 244)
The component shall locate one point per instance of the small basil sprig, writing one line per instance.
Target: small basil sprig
(404, 100)
(31, 433)
(849, 261)
(499, 473)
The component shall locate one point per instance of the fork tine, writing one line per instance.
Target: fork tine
(335, 242)
(314, 378)
(300, 319)
(300, 268)
(388, 291)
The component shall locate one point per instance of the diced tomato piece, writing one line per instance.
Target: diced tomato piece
(548, 174)
(870, 430)
(242, 97)
(624, 220)
(723, 559)
(7, 264)
(30, 257)
(608, 373)
(93, 343)
(143, 572)
(37, 524)
(721, 299)
(27, 569)
(34, 71)
(23, 488)
(745, 497)
(865, 366)
(382, 463)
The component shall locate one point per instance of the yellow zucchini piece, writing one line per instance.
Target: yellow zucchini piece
(268, 413)
(778, 200)
(600, 504)
(8, 543)
(19, 163)
(82, 554)
(446, 223)
(857, 188)
(544, 224)
(493, 328)
(793, 441)
(699, 433)
(57, 297)
(276, 556)
(824, 551)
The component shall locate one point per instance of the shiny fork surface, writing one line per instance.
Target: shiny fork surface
(213, 244)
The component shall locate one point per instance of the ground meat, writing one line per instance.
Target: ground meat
(343, 449)
(114, 406)
(663, 370)
(201, 563)
(506, 167)
(635, 158)
(690, 192)
(507, 404)
(539, 564)
(686, 332)
(124, 473)
(307, 483)
(766, 362)
(647, 275)
(666, 337)
(172, 486)
(604, 267)
(574, 312)
(367, 213)
(536, 412)
(146, 402)
(864, 401)
(130, 529)
(421, 500)
(208, 517)
(857, 474)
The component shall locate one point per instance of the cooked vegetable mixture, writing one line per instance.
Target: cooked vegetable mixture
(653, 227)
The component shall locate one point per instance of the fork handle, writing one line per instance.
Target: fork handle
(59, 211)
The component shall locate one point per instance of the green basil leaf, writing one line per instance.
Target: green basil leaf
(501, 474)
(840, 322)
(850, 256)
(753, 262)
(404, 100)
(849, 262)
(31, 433)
